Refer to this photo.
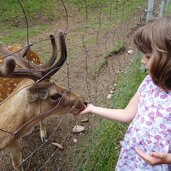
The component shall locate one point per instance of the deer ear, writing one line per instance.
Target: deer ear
(38, 91)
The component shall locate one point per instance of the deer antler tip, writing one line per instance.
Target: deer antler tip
(61, 32)
(9, 66)
(51, 36)
(29, 45)
(10, 61)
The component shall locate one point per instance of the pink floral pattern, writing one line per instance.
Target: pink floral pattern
(150, 130)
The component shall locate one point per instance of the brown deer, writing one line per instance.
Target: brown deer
(34, 99)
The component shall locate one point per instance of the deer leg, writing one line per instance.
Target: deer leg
(16, 155)
(43, 133)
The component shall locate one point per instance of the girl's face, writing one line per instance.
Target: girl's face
(147, 61)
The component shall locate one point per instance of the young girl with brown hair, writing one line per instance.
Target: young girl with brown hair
(147, 143)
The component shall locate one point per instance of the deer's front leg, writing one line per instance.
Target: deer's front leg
(43, 133)
(16, 155)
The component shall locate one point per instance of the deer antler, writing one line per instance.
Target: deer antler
(31, 70)
(51, 59)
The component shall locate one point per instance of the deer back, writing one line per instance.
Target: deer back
(7, 85)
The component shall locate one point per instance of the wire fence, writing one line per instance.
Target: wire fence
(99, 46)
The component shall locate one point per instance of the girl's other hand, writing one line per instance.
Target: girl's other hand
(154, 158)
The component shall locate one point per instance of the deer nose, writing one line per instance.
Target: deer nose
(85, 103)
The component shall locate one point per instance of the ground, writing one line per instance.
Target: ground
(47, 157)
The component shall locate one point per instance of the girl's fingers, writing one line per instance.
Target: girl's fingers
(144, 156)
(156, 154)
(163, 157)
(153, 158)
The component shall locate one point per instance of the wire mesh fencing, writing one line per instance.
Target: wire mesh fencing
(99, 49)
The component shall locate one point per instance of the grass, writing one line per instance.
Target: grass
(13, 22)
(100, 14)
(37, 12)
(40, 16)
(98, 67)
(167, 9)
(10, 35)
(117, 47)
(108, 8)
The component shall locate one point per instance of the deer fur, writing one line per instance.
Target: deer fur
(34, 99)
(24, 112)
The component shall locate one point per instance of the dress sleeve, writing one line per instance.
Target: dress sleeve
(144, 84)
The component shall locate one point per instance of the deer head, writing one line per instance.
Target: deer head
(35, 98)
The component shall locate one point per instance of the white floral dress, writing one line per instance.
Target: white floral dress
(150, 130)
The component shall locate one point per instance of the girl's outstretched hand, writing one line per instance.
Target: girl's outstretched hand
(154, 158)
(88, 109)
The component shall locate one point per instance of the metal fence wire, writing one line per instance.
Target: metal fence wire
(99, 43)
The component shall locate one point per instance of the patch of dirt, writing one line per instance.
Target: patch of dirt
(46, 157)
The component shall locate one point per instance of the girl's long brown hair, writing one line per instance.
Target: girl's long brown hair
(155, 38)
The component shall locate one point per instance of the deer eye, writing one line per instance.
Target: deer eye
(56, 96)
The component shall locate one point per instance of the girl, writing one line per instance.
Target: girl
(147, 143)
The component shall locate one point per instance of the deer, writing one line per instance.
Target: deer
(36, 97)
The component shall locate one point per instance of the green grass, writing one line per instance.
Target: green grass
(109, 8)
(117, 47)
(40, 15)
(18, 35)
(98, 67)
(167, 9)
(37, 12)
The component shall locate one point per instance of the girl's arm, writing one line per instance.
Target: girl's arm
(154, 158)
(121, 115)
